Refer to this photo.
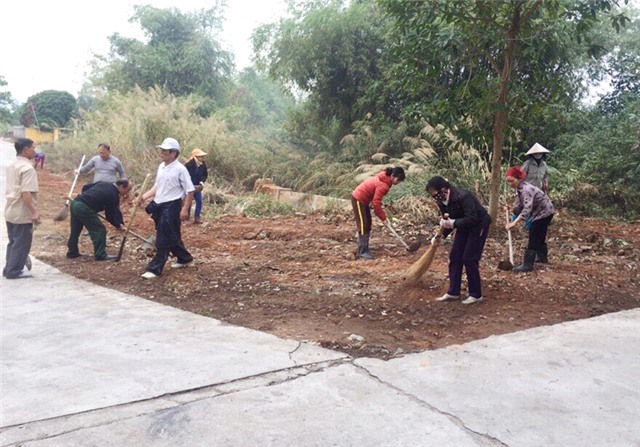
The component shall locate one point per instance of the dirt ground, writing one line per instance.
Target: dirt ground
(296, 277)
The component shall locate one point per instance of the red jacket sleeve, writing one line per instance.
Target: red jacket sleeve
(381, 191)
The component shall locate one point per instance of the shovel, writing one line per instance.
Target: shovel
(410, 248)
(507, 264)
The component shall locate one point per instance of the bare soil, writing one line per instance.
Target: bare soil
(296, 277)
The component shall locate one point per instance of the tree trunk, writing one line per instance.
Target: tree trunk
(501, 117)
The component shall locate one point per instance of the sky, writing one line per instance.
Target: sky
(46, 45)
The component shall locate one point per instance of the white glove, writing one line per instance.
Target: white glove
(447, 223)
(435, 240)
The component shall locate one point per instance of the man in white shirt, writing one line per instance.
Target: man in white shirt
(173, 184)
(105, 166)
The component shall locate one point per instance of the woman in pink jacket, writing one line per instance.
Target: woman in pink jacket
(369, 192)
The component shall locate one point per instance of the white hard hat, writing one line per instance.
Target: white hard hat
(537, 149)
(170, 144)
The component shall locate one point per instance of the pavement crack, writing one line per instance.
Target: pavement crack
(483, 438)
(291, 353)
(50, 428)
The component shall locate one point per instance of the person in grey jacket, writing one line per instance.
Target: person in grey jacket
(536, 167)
(532, 203)
(105, 166)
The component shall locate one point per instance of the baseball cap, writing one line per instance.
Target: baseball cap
(169, 144)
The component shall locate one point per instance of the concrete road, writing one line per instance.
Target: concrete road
(82, 365)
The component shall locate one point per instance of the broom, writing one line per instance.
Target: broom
(419, 267)
(64, 212)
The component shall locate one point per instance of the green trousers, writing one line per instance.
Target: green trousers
(83, 216)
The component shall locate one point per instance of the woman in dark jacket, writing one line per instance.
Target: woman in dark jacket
(197, 168)
(462, 212)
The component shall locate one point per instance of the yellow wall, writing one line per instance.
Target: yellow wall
(39, 136)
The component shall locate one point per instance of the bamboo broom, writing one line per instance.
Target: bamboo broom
(419, 267)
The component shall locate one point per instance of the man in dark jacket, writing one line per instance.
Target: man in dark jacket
(462, 212)
(96, 197)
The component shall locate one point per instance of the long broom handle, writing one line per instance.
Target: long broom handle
(440, 230)
(75, 179)
(509, 237)
(133, 214)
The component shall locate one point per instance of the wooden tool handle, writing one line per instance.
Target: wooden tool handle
(509, 238)
(133, 214)
(75, 179)
(440, 228)
(393, 231)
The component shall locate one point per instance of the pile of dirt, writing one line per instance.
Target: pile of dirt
(296, 277)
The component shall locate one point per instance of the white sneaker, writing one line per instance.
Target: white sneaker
(148, 275)
(178, 265)
(447, 297)
(472, 300)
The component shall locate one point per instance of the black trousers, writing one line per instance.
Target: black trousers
(538, 233)
(166, 217)
(466, 252)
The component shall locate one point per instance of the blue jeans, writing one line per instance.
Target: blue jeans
(197, 197)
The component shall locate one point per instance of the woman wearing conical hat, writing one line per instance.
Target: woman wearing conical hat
(536, 167)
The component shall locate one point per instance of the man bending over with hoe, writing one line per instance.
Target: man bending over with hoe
(96, 197)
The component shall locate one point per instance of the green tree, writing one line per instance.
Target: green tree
(622, 66)
(332, 54)
(476, 59)
(6, 105)
(260, 101)
(180, 54)
(48, 109)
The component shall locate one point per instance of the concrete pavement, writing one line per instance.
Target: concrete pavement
(82, 365)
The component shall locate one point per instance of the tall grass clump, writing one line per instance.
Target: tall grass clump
(253, 205)
(132, 124)
(434, 151)
(136, 122)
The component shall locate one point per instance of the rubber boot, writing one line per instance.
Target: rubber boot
(542, 255)
(363, 247)
(527, 262)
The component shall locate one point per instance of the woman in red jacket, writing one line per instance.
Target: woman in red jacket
(372, 190)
